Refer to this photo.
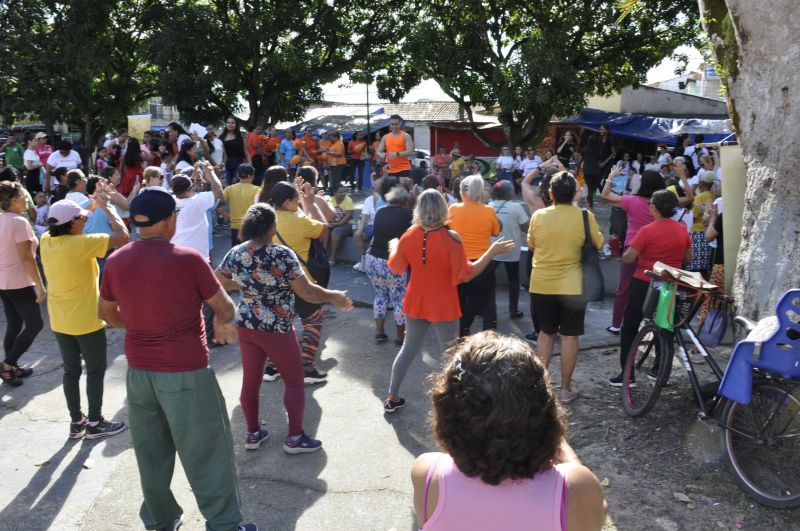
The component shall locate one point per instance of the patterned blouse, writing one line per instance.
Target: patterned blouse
(264, 275)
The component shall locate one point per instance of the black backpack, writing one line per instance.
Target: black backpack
(317, 263)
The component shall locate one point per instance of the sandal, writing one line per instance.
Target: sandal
(380, 337)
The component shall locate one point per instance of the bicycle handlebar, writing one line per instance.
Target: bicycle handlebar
(719, 295)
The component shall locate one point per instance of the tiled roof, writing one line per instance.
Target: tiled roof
(434, 111)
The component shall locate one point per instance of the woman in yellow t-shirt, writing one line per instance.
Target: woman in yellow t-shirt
(296, 229)
(69, 259)
(701, 250)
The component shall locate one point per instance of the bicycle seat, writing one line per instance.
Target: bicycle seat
(779, 354)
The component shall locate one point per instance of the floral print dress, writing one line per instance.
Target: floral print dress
(264, 275)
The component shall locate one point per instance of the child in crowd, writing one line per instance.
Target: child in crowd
(239, 197)
(41, 212)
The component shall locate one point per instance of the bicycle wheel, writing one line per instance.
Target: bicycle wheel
(646, 370)
(762, 443)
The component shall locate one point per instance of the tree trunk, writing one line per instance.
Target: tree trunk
(758, 49)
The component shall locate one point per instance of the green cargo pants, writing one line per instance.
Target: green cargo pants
(183, 412)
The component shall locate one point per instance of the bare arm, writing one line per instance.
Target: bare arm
(29, 264)
(687, 256)
(319, 295)
(711, 232)
(222, 305)
(119, 232)
(211, 176)
(109, 312)
(689, 197)
(500, 246)
(607, 195)
(533, 199)
(227, 282)
(327, 212)
(630, 256)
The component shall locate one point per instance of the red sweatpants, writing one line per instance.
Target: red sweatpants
(284, 351)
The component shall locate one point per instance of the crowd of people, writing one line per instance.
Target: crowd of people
(79, 234)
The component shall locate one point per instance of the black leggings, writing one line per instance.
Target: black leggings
(592, 184)
(633, 317)
(512, 274)
(477, 296)
(23, 320)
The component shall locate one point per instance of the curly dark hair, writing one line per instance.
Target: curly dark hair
(257, 222)
(494, 409)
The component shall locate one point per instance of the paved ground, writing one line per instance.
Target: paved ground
(360, 480)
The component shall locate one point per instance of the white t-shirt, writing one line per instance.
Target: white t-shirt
(528, 165)
(511, 215)
(652, 166)
(369, 209)
(664, 158)
(31, 157)
(70, 162)
(505, 162)
(695, 153)
(182, 165)
(685, 215)
(219, 150)
(192, 225)
(78, 198)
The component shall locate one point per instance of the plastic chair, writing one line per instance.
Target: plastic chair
(780, 354)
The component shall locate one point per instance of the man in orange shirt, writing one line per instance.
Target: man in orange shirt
(308, 146)
(337, 161)
(476, 223)
(398, 148)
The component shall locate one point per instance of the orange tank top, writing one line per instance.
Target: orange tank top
(396, 144)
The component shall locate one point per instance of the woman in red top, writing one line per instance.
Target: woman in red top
(438, 265)
(131, 167)
(663, 240)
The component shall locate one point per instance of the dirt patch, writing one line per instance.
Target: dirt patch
(665, 471)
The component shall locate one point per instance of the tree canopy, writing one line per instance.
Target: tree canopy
(82, 62)
(534, 60)
(264, 60)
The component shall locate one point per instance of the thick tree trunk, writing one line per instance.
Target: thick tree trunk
(757, 46)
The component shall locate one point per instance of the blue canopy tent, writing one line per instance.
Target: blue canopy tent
(653, 128)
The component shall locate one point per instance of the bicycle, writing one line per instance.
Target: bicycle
(755, 400)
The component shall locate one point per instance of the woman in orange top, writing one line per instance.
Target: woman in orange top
(398, 146)
(476, 224)
(325, 144)
(441, 163)
(355, 160)
(337, 161)
(377, 163)
(438, 265)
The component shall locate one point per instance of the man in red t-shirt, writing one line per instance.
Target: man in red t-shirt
(155, 290)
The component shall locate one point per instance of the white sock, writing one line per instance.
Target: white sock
(294, 438)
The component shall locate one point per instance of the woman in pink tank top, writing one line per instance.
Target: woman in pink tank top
(507, 464)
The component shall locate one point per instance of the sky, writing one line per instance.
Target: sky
(341, 91)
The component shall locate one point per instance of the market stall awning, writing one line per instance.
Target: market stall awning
(653, 128)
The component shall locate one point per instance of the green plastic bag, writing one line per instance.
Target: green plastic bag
(665, 311)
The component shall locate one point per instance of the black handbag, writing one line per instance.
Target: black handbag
(317, 263)
(593, 283)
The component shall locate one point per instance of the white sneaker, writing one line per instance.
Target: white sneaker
(357, 267)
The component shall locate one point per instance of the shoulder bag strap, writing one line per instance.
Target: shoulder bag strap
(303, 262)
(585, 226)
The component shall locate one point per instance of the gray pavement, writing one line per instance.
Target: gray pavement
(360, 480)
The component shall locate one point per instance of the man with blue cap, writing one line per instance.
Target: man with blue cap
(155, 290)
